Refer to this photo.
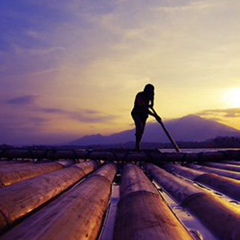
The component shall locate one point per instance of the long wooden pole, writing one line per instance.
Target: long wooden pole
(159, 120)
(78, 214)
(211, 210)
(142, 212)
(221, 172)
(19, 200)
(13, 173)
(225, 185)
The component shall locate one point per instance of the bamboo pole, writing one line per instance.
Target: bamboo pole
(16, 173)
(222, 172)
(78, 214)
(219, 216)
(111, 155)
(142, 213)
(20, 199)
(223, 166)
(159, 120)
(14, 153)
(225, 185)
(231, 162)
(9, 163)
(66, 162)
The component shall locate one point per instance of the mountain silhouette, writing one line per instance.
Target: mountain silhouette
(191, 128)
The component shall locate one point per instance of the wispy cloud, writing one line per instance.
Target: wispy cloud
(73, 65)
(22, 100)
(90, 116)
(83, 115)
(53, 111)
(39, 120)
(223, 113)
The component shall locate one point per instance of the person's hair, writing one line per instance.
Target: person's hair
(149, 88)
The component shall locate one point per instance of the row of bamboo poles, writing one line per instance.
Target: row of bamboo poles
(212, 211)
(68, 199)
(116, 155)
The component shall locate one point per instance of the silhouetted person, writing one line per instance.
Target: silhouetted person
(144, 101)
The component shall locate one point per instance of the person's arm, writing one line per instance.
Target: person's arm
(151, 104)
(153, 113)
(150, 112)
(150, 107)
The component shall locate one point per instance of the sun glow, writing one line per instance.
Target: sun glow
(232, 98)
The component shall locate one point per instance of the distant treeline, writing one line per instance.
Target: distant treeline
(224, 142)
(218, 142)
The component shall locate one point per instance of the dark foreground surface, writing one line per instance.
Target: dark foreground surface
(119, 194)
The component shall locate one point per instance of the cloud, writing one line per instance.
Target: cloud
(90, 116)
(97, 54)
(83, 115)
(39, 120)
(53, 111)
(27, 44)
(36, 125)
(223, 113)
(23, 100)
(22, 61)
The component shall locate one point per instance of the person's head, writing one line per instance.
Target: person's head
(149, 89)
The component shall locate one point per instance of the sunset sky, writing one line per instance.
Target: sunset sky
(72, 68)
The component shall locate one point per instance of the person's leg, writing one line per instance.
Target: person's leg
(140, 125)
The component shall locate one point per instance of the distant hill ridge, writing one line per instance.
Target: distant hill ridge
(189, 128)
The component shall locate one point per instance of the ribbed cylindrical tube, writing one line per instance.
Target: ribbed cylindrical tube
(223, 166)
(184, 171)
(222, 172)
(231, 162)
(118, 155)
(142, 213)
(78, 214)
(225, 185)
(19, 172)
(212, 211)
(20, 199)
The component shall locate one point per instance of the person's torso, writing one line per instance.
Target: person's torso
(141, 104)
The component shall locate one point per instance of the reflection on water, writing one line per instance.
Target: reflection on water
(194, 226)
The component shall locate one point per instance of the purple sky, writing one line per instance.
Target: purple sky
(72, 68)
